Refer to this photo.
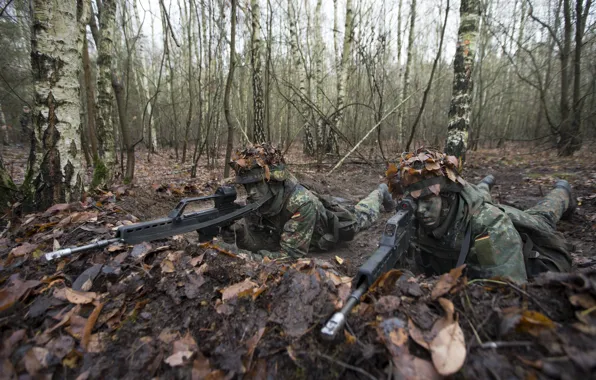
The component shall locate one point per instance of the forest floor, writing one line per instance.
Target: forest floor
(176, 309)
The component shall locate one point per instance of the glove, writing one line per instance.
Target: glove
(233, 233)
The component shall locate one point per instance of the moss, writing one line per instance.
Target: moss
(100, 173)
(565, 175)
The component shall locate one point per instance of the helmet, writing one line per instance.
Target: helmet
(256, 163)
(423, 172)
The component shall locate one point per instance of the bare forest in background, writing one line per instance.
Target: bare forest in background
(85, 83)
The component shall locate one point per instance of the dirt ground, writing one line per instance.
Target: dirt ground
(174, 309)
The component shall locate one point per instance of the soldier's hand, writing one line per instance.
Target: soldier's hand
(233, 233)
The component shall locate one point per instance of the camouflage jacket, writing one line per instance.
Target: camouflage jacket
(300, 226)
(496, 246)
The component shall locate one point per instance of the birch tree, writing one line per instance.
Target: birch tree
(257, 76)
(104, 40)
(55, 168)
(463, 66)
(332, 145)
(406, 77)
(229, 82)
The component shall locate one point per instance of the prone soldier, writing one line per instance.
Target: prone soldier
(294, 220)
(458, 222)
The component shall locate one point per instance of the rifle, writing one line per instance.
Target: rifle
(394, 243)
(206, 222)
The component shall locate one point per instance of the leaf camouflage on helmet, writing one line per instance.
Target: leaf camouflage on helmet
(423, 172)
(259, 162)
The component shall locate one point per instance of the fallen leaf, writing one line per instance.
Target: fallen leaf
(446, 282)
(238, 290)
(167, 266)
(179, 358)
(167, 335)
(23, 249)
(448, 350)
(583, 300)
(251, 345)
(387, 280)
(201, 367)
(77, 326)
(141, 250)
(350, 339)
(197, 260)
(339, 260)
(387, 304)
(15, 289)
(36, 359)
(78, 297)
(61, 346)
(417, 335)
(534, 322)
(56, 208)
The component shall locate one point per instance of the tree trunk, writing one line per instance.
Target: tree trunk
(406, 79)
(461, 98)
(141, 70)
(229, 82)
(332, 145)
(190, 43)
(56, 58)
(257, 77)
(90, 96)
(104, 166)
(124, 129)
(7, 187)
(318, 57)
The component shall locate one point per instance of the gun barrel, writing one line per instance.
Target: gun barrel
(69, 251)
(336, 323)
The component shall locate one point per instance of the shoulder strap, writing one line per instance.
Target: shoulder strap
(465, 246)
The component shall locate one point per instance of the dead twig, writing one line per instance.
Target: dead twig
(348, 366)
(5, 230)
(500, 344)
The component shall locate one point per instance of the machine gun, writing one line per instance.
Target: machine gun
(206, 222)
(393, 245)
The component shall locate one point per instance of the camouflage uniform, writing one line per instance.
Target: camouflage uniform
(304, 224)
(497, 247)
(503, 241)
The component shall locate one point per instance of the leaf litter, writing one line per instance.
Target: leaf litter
(174, 309)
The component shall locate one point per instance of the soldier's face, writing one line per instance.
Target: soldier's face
(257, 191)
(429, 210)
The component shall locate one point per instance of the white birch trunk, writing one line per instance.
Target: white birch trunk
(144, 86)
(57, 55)
(105, 95)
(406, 79)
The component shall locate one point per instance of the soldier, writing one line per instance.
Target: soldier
(292, 220)
(457, 222)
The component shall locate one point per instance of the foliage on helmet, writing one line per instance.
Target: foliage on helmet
(263, 156)
(421, 167)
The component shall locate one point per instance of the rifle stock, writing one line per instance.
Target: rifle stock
(206, 222)
(392, 246)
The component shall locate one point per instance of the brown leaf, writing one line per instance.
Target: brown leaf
(446, 282)
(533, 322)
(36, 359)
(77, 326)
(387, 304)
(583, 300)
(9, 344)
(77, 297)
(201, 367)
(417, 335)
(141, 250)
(23, 249)
(251, 345)
(61, 346)
(167, 336)
(15, 289)
(448, 350)
(56, 209)
(98, 342)
(238, 290)
(197, 260)
(387, 280)
(179, 358)
(167, 266)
